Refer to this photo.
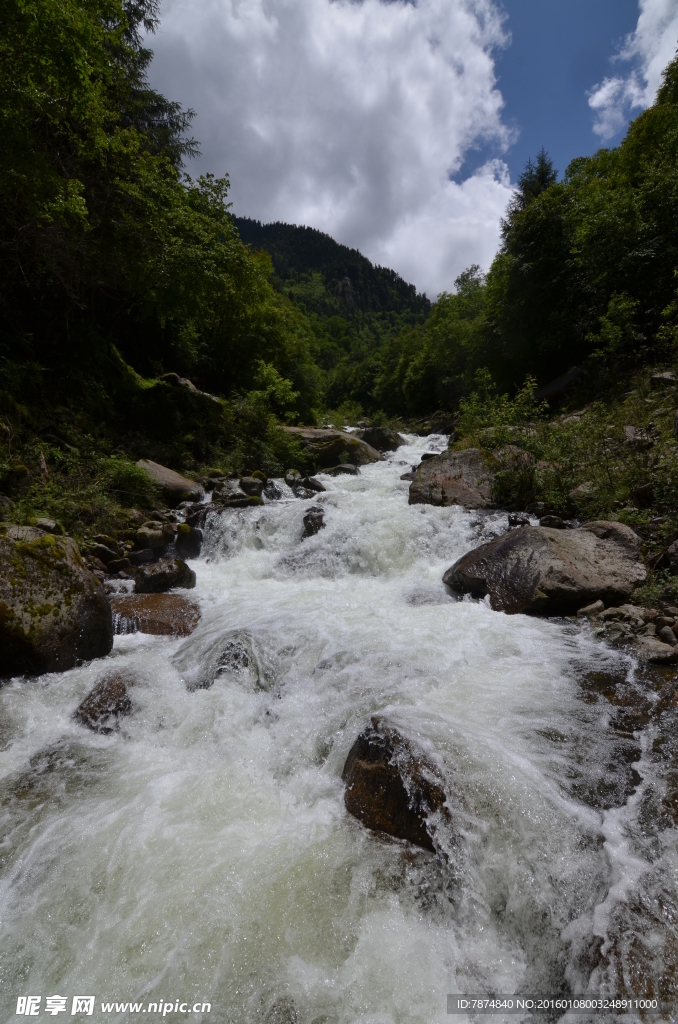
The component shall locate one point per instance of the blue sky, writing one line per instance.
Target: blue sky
(400, 127)
(559, 50)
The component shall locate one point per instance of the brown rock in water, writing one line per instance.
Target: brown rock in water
(454, 478)
(106, 704)
(540, 571)
(161, 576)
(328, 447)
(390, 787)
(158, 614)
(175, 487)
(53, 611)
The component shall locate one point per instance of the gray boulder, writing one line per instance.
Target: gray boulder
(327, 447)
(454, 478)
(540, 571)
(53, 611)
(161, 576)
(382, 439)
(175, 487)
(252, 485)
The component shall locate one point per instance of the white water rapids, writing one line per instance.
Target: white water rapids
(203, 853)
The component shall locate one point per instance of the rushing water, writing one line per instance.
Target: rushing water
(204, 852)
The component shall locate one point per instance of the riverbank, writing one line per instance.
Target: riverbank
(220, 863)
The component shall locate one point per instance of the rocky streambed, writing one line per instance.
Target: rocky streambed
(346, 789)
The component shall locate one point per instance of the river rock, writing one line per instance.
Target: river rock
(175, 487)
(292, 477)
(53, 611)
(106, 704)
(311, 483)
(345, 469)
(454, 478)
(314, 521)
(188, 543)
(540, 571)
(324, 447)
(252, 485)
(158, 614)
(158, 577)
(152, 535)
(392, 788)
(382, 439)
(656, 652)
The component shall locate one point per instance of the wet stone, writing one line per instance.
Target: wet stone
(106, 704)
(391, 787)
(314, 521)
(158, 614)
(162, 576)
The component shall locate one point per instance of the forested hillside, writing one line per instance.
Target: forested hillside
(121, 277)
(354, 307)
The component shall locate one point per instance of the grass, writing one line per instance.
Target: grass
(621, 447)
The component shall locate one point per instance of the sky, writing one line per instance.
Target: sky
(400, 127)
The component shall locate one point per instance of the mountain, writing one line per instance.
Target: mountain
(350, 282)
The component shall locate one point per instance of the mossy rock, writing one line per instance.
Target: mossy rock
(53, 611)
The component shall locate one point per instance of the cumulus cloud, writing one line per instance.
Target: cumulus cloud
(351, 116)
(650, 47)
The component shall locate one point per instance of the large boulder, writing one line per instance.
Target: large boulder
(541, 571)
(454, 478)
(158, 614)
(175, 487)
(327, 447)
(391, 786)
(53, 612)
(382, 439)
(161, 576)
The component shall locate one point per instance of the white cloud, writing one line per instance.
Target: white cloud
(350, 117)
(651, 46)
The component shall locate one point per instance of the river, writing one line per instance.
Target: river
(203, 853)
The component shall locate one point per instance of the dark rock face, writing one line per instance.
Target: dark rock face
(454, 478)
(161, 576)
(325, 447)
(540, 571)
(382, 439)
(392, 788)
(106, 704)
(175, 487)
(187, 545)
(53, 610)
(158, 614)
(314, 521)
